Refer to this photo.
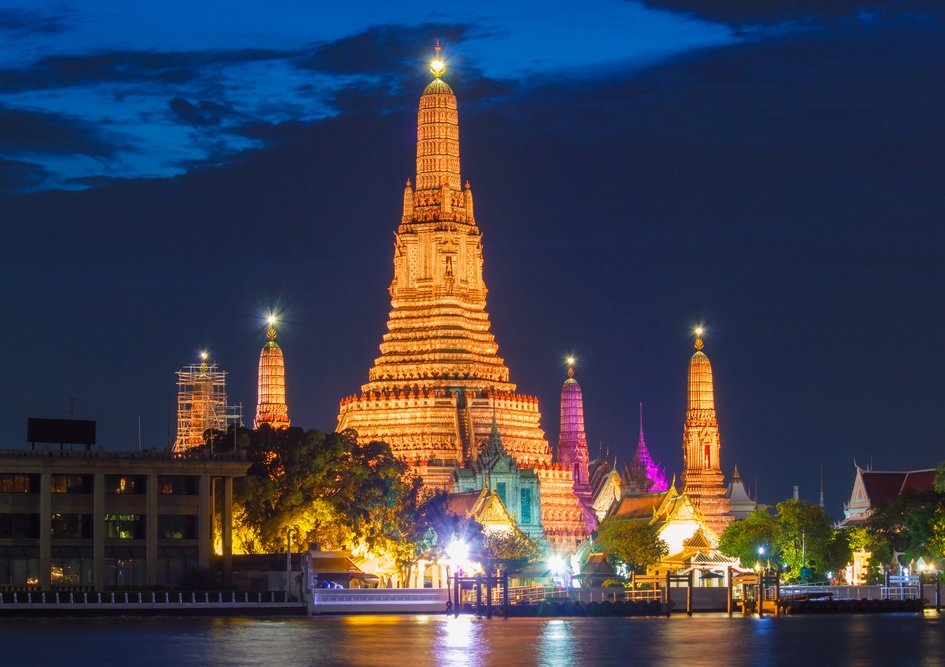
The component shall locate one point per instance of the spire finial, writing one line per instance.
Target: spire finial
(699, 343)
(437, 67)
(570, 361)
(271, 334)
(641, 419)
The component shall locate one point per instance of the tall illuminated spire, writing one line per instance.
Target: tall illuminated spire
(654, 471)
(572, 441)
(271, 407)
(702, 473)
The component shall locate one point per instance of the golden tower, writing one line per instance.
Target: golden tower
(432, 392)
(271, 407)
(702, 473)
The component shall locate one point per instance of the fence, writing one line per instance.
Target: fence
(145, 599)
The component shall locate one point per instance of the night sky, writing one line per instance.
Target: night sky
(172, 171)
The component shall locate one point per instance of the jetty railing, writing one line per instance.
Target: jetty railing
(867, 592)
(145, 599)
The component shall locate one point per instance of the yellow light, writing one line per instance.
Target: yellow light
(437, 67)
(571, 360)
(271, 319)
(699, 331)
(203, 355)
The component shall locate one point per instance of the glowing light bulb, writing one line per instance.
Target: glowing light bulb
(699, 331)
(271, 319)
(571, 360)
(437, 67)
(204, 355)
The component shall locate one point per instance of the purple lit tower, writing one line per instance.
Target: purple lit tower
(572, 443)
(654, 471)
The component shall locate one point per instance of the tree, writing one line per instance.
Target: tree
(327, 489)
(634, 542)
(743, 538)
(937, 538)
(513, 548)
(907, 522)
(940, 478)
(806, 538)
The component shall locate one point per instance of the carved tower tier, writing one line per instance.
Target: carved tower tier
(432, 393)
(271, 407)
(702, 473)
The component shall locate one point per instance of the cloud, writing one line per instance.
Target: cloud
(25, 131)
(205, 113)
(16, 175)
(23, 22)
(386, 49)
(753, 12)
(167, 68)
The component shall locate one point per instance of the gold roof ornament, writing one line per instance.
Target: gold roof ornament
(699, 343)
(437, 66)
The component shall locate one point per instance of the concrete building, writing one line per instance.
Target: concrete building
(101, 519)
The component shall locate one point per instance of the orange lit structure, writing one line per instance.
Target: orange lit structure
(201, 404)
(703, 480)
(271, 407)
(433, 392)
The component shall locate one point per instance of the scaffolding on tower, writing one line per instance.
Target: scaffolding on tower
(202, 405)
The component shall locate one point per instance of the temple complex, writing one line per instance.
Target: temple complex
(439, 383)
(702, 473)
(271, 407)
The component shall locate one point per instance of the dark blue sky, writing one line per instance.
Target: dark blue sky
(169, 173)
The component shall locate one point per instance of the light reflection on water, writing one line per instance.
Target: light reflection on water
(434, 640)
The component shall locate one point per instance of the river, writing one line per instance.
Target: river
(912, 640)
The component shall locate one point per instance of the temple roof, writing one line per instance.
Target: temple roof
(882, 486)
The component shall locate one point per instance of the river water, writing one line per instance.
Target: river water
(402, 641)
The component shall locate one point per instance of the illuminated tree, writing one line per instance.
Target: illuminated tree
(743, 538)
(806, 538)
(635, 543)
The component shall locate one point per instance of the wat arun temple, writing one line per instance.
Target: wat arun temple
(439, 383)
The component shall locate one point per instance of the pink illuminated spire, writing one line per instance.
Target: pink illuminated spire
(572, 441)
(654, 472)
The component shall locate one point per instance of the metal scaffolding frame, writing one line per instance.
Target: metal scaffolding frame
(201, 405)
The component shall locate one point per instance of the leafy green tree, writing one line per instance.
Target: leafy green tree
(635, 543)
(906, 522)
(742, 538)
(805, 532)
(326, 488)
(937, 539)
(940, 478)
(863, 538)
(513, 548)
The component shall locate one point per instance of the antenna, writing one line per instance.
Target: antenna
(821, 484)
(139, 433)
(72, 407)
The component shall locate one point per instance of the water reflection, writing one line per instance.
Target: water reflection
(435, 640)
(556, 646)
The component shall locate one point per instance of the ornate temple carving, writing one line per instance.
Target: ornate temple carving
(703, 480)
(271, 407)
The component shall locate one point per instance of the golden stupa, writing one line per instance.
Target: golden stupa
(703, 480)
(271, 407)
(432, 393)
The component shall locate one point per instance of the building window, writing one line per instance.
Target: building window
(19, 527)
(19, 566)
(10, 483)
(70, 566)
(174, 563)
(500, 489)
(179, 485)
(125, 566)
(72, 526)
(126, 484)
(526, 510)
(177, 527)
(72, 483)
(125, 526)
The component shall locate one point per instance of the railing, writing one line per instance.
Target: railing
(149, 598)
(537, 594)
(848, 592)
